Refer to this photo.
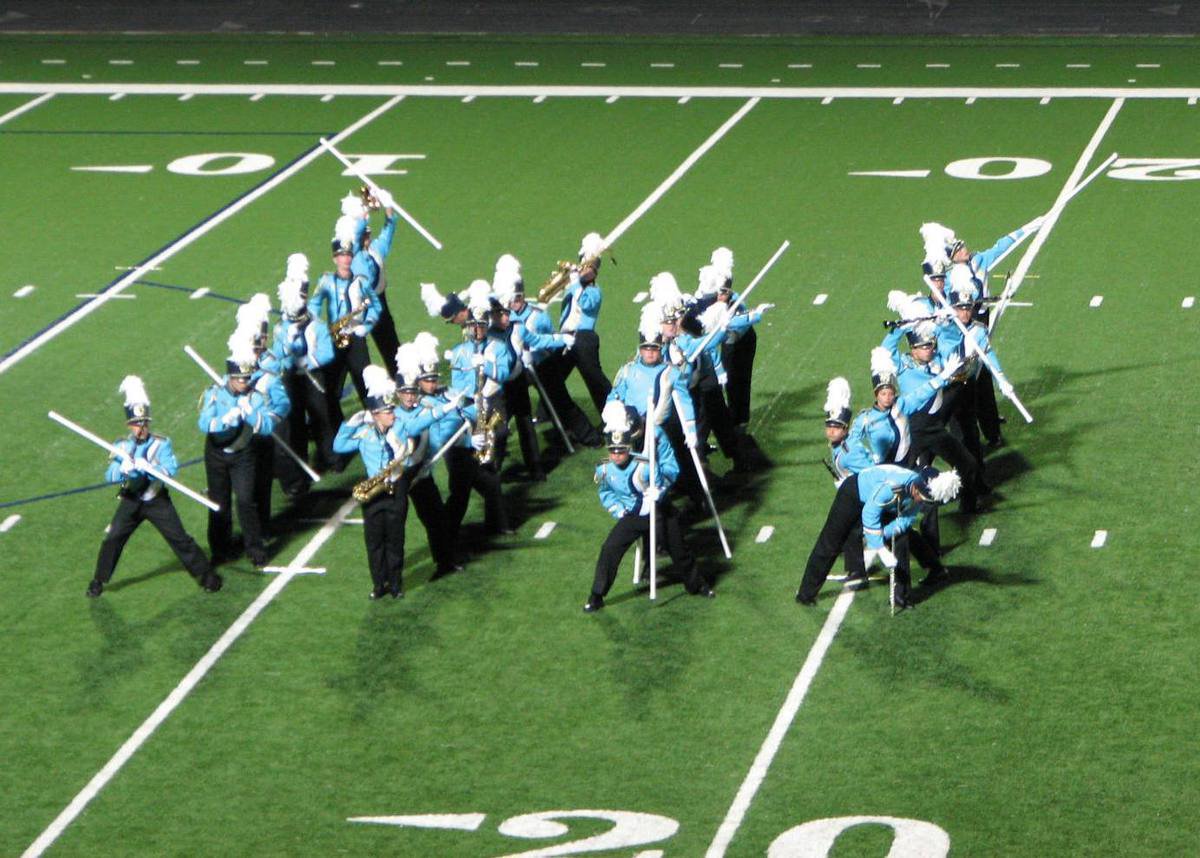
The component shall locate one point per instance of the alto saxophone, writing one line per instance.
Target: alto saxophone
(385, 480)
(340, 330)
(561, 276)
(487, 421)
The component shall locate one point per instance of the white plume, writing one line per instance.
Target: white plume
(344, 230)
(134, 390)
(291, 297)
(297, 267)
(426, 347)
(897, 299)
(352, 206)
(378, 382)
(926, 330)
(478, 293)
(664, 291)
(711, 279)
(255, 312)
(961, 281)
(434, 300)
(722, 260)
(407, 363)
(650, 322)
(882, 364)
(241, 347)
(615, 417)
(592, 245)
(944, 487)
(508, 262)
(937, 239)
(714, 317)
(837, 395)
(504, 284)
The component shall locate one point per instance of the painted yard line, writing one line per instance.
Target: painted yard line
(764, 533)
(451, 821)
(185, 686)
(187, 96)
(258, 96)
(187, 62)
(199, 293)
(254, 62)
(971, 100)
(593, 65)
(468, 99)
(25, 290)
(116, 168)
(1079, 65)
(545, 530)
(684, 100)
(1149, 65)
(675, 176)
(29, 105)
(97, 295)
(1096, 301)
(120, 62)
(580, 91)
(820, 299)
(662, 65)
(799, 65)
(1099, 538)
(323, 63)
(9, 523)
(54, 62)
(1056, 210)
(898, 100)
(458, 62)
(116, 96)
(988, 536)
(612, 99)
(526, 64)
(783, 721)
(30, 346)
(640, 297)
(827, 100)
(1192, 101)
(390, 63)
(1044, 100)
(729, 65)
(1008, 65)
(937, 65)
(539, 99)
(1188, 302)
(327, 97)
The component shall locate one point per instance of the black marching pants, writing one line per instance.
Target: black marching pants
(352, 359)
(229, 475)
(161, 513)
(739, 366)
(552, 373)
(384, 518)
(263, 448)
(308, 420)
(520, 409)
(384, 335)
(585, 355)
(632, 527)
(465, 473)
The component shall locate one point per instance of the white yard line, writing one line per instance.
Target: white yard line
(185, 240)
(29, 105)
(1039, 238)
(764, 533)
(783, 722)
(1096, 301)
(670, 180)
(9, 523)
(820, 299)
(581, 91)
(1099, 538)
(1187, 303)
(185, 686)
(545, 530)
(26, 289)
(987, 537)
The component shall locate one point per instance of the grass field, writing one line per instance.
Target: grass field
(1041, 705)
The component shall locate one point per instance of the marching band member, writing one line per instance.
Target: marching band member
(580, 310)
(479, 367)
(346, 302)
(230, 413)
(884, 500)
(302, 348)
(253, 321)
(369, 256)
(627, 492)
(144, 498)
(452, 308)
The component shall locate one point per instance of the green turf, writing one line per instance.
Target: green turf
(1039, 706)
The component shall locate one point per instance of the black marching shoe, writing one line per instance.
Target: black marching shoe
(94, 589)
(594, 603)
(901, 603)
(937, 577)
(801, 599)
(258, 559)
(212, 582)
(706, 591)
(378, 593)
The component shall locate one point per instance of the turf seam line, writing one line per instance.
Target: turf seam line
(29, 105)
(592, 91)
(783, 722)
(1064, 195)
(675, 176)
(211, 222)
(185, 686)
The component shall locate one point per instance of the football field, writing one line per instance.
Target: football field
(1041, 704)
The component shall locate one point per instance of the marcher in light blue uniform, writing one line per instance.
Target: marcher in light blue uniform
(369, 256)
(578, 316)
(627, 492)
(143, 497)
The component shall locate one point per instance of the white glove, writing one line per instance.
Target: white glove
(568, 341)
(887, 558)
(527, 358)
(689, 438)
(448, 355)
(359, 330)
(869, 555)
(358, 418)
(141, 464)
(653, 493)
(1006, 389)
(453, 400)
(762, 308)
(128, 466)
(951, 366)
(385, 198)
(479, 440)
(574, 281)
(617, 510)
(244, 405)
(478, 360)
(232, 417)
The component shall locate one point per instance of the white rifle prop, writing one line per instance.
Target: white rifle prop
(385, 199)
(738, 303)
(550, 408)
(1014, 282)
(1011, 394)
(433, 460)
(118, 453)
(200, 362)
(712, 506)
(651, 430)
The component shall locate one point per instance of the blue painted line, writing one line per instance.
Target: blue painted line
(119, 278)
(80, 490)
(189, 290)
(308, 134)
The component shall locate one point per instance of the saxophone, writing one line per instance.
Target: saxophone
(561, 276)
(385, 480)
(487, 420)
(340, 329)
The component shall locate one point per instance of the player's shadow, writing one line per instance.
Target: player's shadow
(960, 575)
